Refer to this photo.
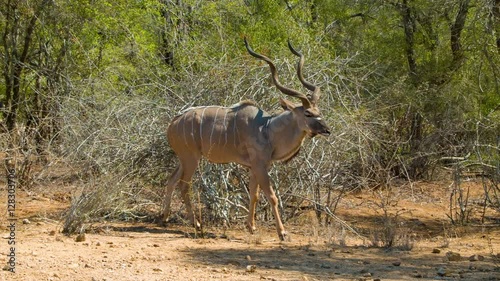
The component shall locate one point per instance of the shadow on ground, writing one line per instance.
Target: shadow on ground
(345, 262)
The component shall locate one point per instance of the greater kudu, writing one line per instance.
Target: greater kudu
(244, 134)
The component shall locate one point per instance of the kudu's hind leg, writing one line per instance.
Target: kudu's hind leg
(171, 184)
(189, 167)
(253, 189)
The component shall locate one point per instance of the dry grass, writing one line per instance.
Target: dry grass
(117, 137)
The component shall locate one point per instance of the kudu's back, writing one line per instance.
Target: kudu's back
(221, 134)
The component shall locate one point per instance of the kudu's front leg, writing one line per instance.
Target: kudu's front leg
(264, 182)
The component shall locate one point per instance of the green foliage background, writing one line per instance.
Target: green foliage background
(101, 80)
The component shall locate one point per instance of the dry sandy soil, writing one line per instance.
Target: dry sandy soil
(141, 251)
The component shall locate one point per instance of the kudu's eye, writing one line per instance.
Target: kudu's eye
(308, 113)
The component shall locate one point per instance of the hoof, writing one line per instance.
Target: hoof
(251, 229)
(162, 217)
(160, 220)
(283, 236)
(197, 226)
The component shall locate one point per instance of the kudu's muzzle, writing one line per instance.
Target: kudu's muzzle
(320, 128)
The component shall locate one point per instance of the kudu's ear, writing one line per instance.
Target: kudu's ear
(286, 104)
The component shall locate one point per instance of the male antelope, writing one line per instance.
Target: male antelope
(244, 134)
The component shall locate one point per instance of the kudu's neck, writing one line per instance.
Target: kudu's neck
(285, 135)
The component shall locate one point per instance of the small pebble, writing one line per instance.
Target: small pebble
(476, 258)
(452, 256)
(443, 272)
(251, 268)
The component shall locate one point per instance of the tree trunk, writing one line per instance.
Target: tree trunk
(456, 34)
(415, 131)
(15, 62)
(409, 29)
(496, 22)
(167, 52)
(176, 28)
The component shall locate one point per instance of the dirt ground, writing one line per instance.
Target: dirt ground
(428, 247)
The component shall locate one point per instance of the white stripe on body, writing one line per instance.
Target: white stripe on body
(192, 126)
(213, 126)
(201, 125)
(234, 128)
(184, 129)
(225, 127)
